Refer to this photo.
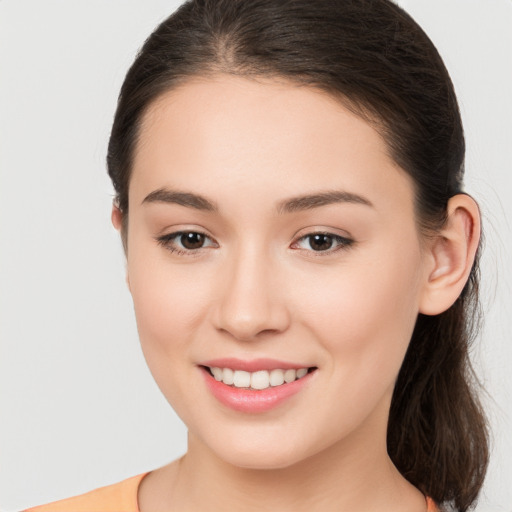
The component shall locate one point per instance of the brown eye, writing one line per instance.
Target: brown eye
(192, 240)
(185, 243)
(320, 242)
(327, 243)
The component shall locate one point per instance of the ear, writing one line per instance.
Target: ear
(451, 255)
(117, 217)
(117, 222)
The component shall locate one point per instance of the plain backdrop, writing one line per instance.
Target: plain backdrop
(79, 409)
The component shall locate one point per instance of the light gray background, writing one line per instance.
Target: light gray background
(78, 407)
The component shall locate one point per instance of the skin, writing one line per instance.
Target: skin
(258, 289)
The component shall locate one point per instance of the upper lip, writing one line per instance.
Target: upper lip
(252, 365)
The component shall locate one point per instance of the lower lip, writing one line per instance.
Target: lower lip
(251, 400)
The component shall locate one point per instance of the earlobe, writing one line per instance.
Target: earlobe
(116, 216)
(452, 253)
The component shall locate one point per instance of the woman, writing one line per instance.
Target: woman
(302, 260)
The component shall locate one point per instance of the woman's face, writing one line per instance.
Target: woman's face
(270, 230)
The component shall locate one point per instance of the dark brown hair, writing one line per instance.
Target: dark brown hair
(375, 59)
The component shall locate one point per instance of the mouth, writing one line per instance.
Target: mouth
(258, 385)
(258, 380)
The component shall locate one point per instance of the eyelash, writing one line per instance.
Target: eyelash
(168, 241)
(344, 243)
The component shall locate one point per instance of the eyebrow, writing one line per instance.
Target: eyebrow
(310, 201)
(294, 204)
(165, 195)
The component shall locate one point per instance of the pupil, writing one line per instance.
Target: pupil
(320, 242)
(192, 240)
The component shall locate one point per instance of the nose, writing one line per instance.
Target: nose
(251, 301)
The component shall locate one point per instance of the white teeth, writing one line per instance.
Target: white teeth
(276, 377)
(228, 376)
(301, 372)
(260, 380)
(290, 375)
(242, 379)
(217, 373)
(257, 380)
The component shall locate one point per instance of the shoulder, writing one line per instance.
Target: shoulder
(119, 497)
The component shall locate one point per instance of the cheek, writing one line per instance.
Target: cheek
(168, 302)
(363, 324)
(168, 310)
(364, 312)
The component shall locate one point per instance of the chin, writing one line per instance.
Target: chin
(259, 453)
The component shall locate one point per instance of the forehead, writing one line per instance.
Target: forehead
(231, 135)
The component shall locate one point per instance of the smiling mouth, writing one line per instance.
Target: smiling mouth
(259, 380)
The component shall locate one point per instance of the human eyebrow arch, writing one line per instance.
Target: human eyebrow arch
(188, 199)
(310, 201)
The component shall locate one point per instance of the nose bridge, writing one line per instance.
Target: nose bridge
(250, 301)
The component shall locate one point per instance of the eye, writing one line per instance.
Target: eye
(185, 242)
(323, 242)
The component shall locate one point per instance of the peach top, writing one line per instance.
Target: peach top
(120, 497)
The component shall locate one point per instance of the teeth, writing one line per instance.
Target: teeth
(260, 380)
(228, 376)
(276, 377)
(217, 373)
(241, 379)
(290, 375)
(257, 380)
(301, 372)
